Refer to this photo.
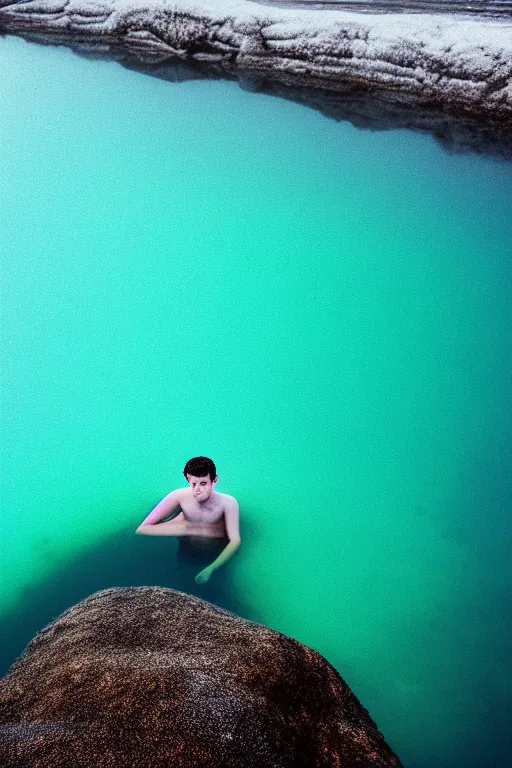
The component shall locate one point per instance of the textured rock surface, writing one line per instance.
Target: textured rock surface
(461, 64)
(153, 677)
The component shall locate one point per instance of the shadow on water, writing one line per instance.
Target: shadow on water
(364, 107)
(123, 560)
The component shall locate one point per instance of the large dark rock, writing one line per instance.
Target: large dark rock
(144, 677)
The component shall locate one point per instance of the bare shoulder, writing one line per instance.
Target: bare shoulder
(228, 501)
(183, 493)
(179, 495)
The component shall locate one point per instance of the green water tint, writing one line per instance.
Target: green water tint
(192, 269)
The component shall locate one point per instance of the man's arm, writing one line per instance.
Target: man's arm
(164, 508)
(232, 522)
(176, 527)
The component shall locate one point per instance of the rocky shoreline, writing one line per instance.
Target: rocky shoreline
(420, 70)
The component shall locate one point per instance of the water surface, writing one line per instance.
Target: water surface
(192, 269)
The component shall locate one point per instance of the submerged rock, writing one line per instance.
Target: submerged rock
(148, 677)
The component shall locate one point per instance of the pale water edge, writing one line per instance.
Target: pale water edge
(191, 268)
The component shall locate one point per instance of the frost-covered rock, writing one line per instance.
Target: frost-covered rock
(460, 64)
(152, 677)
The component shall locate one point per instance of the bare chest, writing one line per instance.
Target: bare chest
(203, 513)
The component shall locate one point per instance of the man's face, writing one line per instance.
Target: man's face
(202, 487)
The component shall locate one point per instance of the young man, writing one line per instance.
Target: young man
(203, 512)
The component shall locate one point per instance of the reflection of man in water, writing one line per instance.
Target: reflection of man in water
(206, 519)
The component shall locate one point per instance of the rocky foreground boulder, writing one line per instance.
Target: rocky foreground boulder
(145, 677)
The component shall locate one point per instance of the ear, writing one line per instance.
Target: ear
(216, 479)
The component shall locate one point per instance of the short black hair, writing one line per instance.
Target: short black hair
(200, 466)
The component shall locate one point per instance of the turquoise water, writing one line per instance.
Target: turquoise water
(192, 269)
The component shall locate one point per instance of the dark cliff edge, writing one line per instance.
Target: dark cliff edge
(450, 78)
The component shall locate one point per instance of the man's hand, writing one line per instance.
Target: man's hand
(204, 575)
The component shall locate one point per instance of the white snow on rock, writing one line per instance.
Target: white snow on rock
(460, 63)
